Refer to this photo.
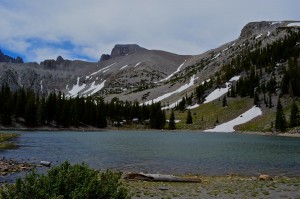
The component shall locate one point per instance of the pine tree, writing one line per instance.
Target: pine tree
(189, 118)
(224, 101)
(256, 99)
(172, 121)
(182, 104)
(294, 116)
(280, 122)
(31, 111)
(270, 105)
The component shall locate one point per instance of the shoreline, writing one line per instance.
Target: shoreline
(94, 129)
(287, 134)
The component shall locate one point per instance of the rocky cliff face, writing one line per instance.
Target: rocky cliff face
(59, 63)
(120, 50)
(104, 57)
(252, 28)
(124, 49)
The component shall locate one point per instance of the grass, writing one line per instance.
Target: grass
(6, 140)
(266, 122)
(262, 123)
(206, 115)
(218, 186)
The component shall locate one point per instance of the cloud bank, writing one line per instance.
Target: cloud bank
(78, 29)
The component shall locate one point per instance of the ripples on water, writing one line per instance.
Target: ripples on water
(164, 152)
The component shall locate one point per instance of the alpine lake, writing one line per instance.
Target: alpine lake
(165, 152)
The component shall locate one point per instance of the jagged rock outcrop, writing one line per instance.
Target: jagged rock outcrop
(252, 28)
(59, 63)
(104, 57)
(124, 49)
(6, 58)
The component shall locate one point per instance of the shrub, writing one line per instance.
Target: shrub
(67, 182)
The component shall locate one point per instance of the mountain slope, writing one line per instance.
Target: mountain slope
(257, 63)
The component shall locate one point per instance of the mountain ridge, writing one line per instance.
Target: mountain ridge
(137, 72)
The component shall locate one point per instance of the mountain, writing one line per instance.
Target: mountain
(6, 58)
(258, 63)
(128, 69)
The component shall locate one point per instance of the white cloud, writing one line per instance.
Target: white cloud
(93, 27)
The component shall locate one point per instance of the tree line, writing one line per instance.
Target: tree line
(27, 108)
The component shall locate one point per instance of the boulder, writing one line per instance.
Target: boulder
(264, 177)
(45, 163)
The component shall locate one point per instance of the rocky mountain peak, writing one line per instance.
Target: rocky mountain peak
(124, 49)
(105, 57)
(253, 28)
(6, 58)
(59, 59)
(120, 50)
(59, 63)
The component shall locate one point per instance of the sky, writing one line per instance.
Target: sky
(79, 29)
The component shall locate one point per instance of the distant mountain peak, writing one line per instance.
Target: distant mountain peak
(6, 58)
(254, 27)
(122, 50)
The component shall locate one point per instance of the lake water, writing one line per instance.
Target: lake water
(164, 152)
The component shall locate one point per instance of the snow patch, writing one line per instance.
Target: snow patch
(193, 106)
(268, 34)
(99, 87)
(137, 64)
(123, 67)
(176, 121)
(206, 81)
(258, 36)
(171, 105)
(216, 56)
(171, 75)
(276, 22)
(293, 24)
(235, 78)
(241, 119)
(182, 88)
(103, 69)
(41, 83)
(76, 88)
(220, 91)
(94, 88)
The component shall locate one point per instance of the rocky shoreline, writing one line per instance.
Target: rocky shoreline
(9, 166)
(218, 187)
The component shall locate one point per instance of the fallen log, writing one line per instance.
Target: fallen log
(160, 178)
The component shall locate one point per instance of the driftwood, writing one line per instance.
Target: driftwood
(160, 178)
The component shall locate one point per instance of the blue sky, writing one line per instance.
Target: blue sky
(78, 29)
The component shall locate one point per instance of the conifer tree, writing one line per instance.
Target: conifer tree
(280, 122)
(256, 99)
(294, 116)
(189, 118)
(182, 104)
(270, 105)
(224, 101)
(172, 121)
